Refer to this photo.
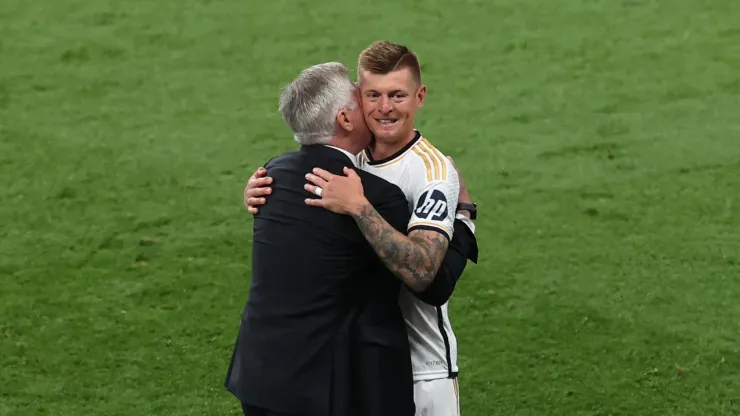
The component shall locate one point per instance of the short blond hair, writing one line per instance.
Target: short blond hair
(383, 57)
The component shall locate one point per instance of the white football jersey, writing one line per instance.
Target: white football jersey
(431, 185)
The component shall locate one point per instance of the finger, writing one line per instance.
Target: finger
(260, 172)
(252, 210)
(312, 189)
(254, 182)
(258, 192)
(316, 180)
(323, 174)
(350, 172)
(260, 182)
(315, 202)
(255, 202)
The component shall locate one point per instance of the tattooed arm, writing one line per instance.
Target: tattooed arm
(414, 259)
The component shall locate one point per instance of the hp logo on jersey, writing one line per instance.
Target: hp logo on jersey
(432, 205)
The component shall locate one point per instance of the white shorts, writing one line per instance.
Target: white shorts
(440, 397)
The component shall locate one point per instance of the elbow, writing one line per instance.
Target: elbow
(423, 281)
(420, 286)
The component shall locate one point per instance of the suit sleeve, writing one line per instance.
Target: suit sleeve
(265, 165)
(463, 246)
(392, 206)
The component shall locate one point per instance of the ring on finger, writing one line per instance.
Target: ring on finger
(318, 191)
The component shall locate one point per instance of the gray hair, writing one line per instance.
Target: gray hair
(309, 105)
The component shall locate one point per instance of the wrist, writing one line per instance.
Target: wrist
(464, 213)
(359, 207)
(468, 209)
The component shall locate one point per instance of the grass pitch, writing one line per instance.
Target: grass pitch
(601, 140)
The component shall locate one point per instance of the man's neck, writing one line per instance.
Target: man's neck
(381, 150)
(344, 145)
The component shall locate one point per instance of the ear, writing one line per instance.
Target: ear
(343, 121)
(421, 93)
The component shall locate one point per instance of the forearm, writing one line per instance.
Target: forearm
(462, 247)
(413, 259)
(440, 289)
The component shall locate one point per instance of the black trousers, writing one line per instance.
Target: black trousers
(255, 411)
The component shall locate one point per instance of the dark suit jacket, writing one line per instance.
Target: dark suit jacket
(310, 269)
(322, 332)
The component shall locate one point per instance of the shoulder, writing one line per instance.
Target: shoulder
(285, 159)
(279, 159)
(427, 164)
(378, 188)
(387, 198)
(429, 167)
(308, 157)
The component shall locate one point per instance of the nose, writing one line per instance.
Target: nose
(385, 105)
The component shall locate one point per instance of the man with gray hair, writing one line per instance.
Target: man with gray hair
(322, 309)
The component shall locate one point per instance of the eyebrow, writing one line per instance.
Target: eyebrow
(394, 92)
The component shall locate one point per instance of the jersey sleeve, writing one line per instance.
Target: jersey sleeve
(435, 204)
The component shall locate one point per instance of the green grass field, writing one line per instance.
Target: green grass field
(601, 140)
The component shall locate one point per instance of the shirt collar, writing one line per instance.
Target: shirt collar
(351, 157)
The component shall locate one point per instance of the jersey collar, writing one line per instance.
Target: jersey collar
(409, 145)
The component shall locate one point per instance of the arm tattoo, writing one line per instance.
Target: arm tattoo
(414, 259)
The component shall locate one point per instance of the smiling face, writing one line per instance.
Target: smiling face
(390, 102)
(391, 89)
